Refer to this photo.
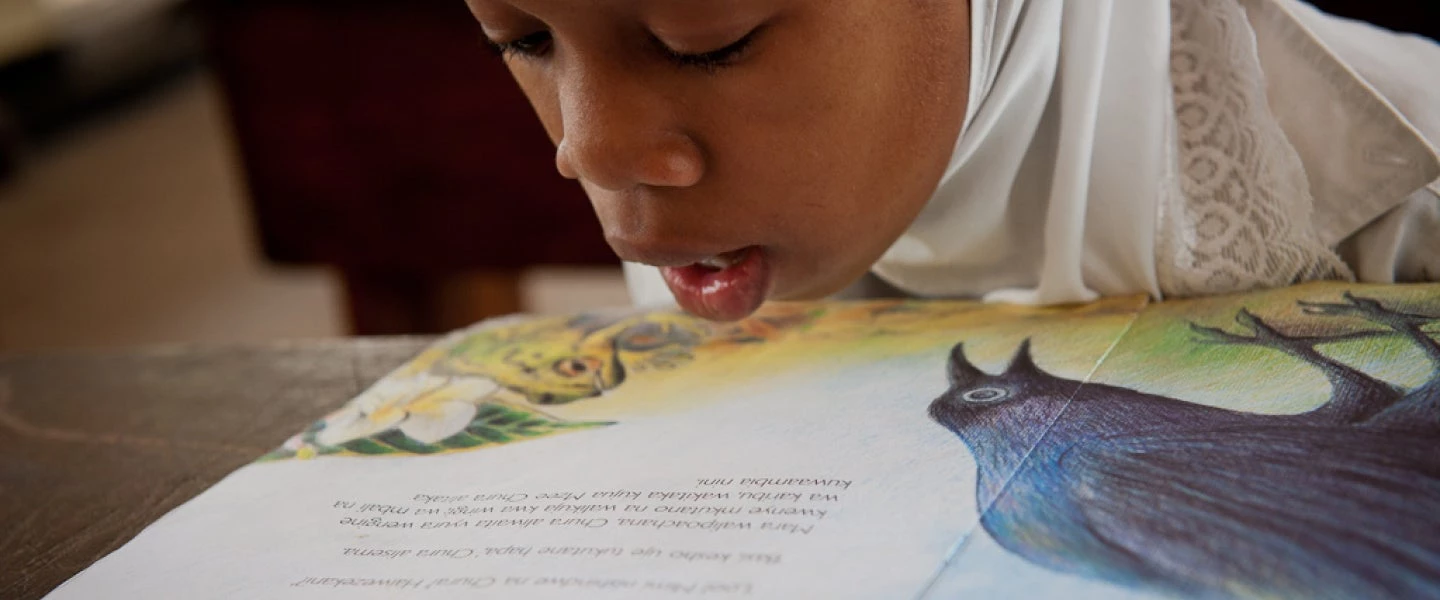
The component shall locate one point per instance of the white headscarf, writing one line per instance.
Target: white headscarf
(1119, 148)
(1050, 193)
(1133, 147)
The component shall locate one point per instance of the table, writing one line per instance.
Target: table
(94, 447)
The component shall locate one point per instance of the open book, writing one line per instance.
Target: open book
(1280, 444)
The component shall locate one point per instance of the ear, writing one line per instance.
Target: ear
(1022, 362)
(961, 372)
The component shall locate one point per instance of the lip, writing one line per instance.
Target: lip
(727, 294)
(666, 255)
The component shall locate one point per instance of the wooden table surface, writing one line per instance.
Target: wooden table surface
(94, 447)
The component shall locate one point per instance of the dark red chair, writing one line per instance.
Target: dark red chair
(382, 138)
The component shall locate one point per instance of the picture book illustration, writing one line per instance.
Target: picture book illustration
(1342, 500)
(493, 386)
(1271, 445)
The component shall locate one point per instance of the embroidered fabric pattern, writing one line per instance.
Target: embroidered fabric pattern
(1236, 214)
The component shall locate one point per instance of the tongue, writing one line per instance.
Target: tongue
(727, 294)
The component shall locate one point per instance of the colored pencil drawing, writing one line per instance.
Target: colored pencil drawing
(505, 383)
(1155, 492)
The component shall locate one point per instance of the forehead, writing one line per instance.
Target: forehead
(719, 11)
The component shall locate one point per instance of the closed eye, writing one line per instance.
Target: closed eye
(539, 44)
(712, 59)
(533, 45)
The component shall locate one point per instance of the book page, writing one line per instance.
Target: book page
(1276, 445)
(622, 456)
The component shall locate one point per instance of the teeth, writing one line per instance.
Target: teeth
(717, 262)
(720, 261)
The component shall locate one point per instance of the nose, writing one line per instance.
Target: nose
(619, 133)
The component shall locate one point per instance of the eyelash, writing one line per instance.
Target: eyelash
(712, 60)
(537, 45)
(534, 45)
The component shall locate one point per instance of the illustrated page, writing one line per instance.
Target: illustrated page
(624, 455)
(1278, 444)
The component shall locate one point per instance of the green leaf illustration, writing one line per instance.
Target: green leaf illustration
(494, 424)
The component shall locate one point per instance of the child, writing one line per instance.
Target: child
(1034, 151)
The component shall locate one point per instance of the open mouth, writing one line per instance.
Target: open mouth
(725, 287)
(720, 262)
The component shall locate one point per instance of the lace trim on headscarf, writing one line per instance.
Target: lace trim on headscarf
(1236, 211)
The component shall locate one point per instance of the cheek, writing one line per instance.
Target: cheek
(873, 119)
(894, 112)
(846, 142)
(540, 89)
(862, 105)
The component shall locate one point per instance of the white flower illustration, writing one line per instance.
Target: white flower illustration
(426, 408)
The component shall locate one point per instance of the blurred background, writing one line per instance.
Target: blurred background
(234, 171)
(220, 171)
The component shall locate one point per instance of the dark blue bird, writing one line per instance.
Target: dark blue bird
(1155, 492)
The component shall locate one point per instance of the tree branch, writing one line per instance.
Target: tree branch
(1215, 335)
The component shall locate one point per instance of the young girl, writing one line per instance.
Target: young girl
(1034, 151)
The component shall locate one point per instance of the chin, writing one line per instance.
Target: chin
(814, 289)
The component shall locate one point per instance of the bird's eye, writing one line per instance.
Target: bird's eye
(574, 367)
(985, 395)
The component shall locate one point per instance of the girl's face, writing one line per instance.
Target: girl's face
(755, 149)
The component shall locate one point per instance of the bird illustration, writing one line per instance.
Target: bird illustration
(1154, 492)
